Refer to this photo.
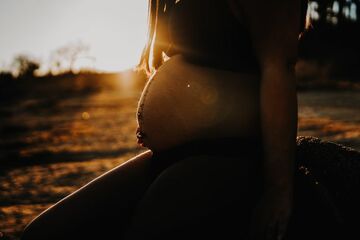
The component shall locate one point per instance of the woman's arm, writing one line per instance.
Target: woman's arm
(273, 26)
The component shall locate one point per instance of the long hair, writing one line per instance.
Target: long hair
(159, 13)
(158, 39)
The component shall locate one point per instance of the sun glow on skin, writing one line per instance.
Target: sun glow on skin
(114, 30)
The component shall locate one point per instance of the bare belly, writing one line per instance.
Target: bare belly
(183, 102)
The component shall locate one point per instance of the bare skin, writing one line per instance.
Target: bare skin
(274, 29)
(190, 102)
(273, 26)
(104, 200)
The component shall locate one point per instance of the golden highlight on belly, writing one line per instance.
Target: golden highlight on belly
(183, 102)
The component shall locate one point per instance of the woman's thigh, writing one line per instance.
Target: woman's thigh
(100, 208)
(203, 194)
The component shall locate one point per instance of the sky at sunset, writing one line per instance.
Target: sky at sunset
(114, 30)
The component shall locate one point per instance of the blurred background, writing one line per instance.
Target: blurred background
(68, 92)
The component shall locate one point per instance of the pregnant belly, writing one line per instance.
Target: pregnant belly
(184, 102)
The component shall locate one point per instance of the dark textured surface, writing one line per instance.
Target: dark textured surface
(333, 173)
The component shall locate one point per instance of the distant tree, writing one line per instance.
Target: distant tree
(64, 58)
(25, 66)
(335, 12)
(6, 76)
(333, 37)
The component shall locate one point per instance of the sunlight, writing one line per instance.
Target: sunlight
(114, 30)
(120, 34)
(126, 80)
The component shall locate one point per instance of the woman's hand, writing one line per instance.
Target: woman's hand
(270, 217)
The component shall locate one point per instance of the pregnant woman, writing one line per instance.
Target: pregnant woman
(219, 115)
(222, 102)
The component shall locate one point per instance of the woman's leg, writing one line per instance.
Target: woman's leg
(99, 209)
(198, 197)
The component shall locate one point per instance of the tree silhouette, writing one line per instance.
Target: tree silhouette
(24, 66)
(335, 12)
(64, 58)
(6, 76)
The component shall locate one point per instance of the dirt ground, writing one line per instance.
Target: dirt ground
(52, 144)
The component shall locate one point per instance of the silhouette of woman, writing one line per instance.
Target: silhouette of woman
(228, 89)
(220, 118)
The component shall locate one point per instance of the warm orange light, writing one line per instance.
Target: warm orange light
(85, 116)
(114, 30)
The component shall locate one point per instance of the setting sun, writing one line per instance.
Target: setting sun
(113, 30)
(113, 128)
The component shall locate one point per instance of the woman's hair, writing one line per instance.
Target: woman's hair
(158, 39)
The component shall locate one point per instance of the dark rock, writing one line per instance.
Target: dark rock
(327, 190)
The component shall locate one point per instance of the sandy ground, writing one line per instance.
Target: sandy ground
(61, 143)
